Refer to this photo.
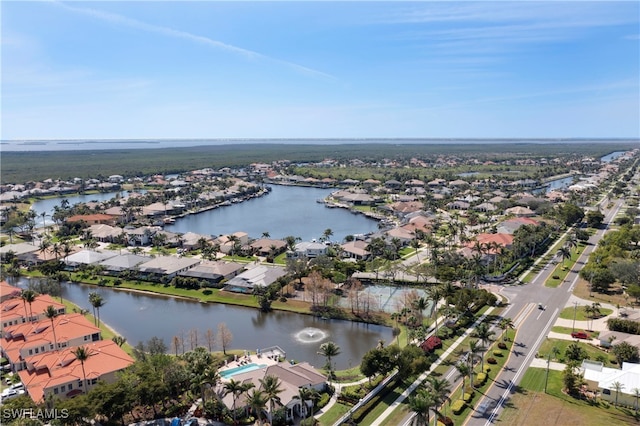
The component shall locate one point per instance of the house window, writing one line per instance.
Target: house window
(94, 381)
(606, 392)
(30, 351)
(55, 391)
(86, 338)
(37, 351)
(63, 388)
(70, 386)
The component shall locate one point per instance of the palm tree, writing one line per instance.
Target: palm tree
(420, 404)
(119, 340)
(82, 354)
(474, 350)
(464, 371)
(234, 388)
(435, 293)
(565, 253)
(505, 324)
(29, 296)
(419, 305)
(51, 313)
(552, 353)
(270, 385)
(484, 333)
(97, 302)
(636, 393)
(258, 402)
(329, 350)
(327, 234)
(617, 386)
(441, 389)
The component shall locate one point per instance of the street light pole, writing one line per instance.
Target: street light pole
(575, 309)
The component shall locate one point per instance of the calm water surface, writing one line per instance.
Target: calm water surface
(286, 210)
(139, 317)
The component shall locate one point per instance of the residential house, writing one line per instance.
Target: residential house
(257, 276)
(87, 257)
(15, 311)
(165, 267)
(604, 378)
(8, 291)
(106, 233)
(356, 249)
(511, 225)
(520, 211)
(123, 262)
(213, 272)
(93, 219)
(59, 374)
(308, 250)
(292, 378)
(22, 341)
(268, 247)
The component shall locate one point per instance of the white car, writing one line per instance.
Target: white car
(10, 394)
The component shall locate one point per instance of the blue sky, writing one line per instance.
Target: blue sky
(144, 69)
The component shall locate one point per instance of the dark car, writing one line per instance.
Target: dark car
(579, 335)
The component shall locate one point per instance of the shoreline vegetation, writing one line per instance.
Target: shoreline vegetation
(23, 166)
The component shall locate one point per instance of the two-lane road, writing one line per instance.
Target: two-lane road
(532, 330)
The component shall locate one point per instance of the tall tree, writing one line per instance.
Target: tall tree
(257, 400)
(97, 301)
(51, 313)
(329, 350)
(82, 354)
(224, 336)
(271, 386)
(29, 296)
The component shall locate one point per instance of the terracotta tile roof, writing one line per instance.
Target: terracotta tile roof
(18, 339)
(51, 369)
(90, 217)
(8, 291)
(14, 309)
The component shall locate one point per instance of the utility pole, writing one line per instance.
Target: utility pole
(575, 309)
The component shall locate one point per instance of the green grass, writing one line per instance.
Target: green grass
(593, 353)
(562, 270)
(581, 314)
(530, 405)
(333, 414)
(569, 330)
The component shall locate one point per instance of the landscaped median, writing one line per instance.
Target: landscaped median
(496, 356)
(561, 270)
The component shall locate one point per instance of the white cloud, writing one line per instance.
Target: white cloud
(170, 32)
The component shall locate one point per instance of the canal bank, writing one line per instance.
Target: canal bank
(139, 315)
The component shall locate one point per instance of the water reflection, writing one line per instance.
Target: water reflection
(138, 317)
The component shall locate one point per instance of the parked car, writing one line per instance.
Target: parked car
(10, 394)
(579, 335)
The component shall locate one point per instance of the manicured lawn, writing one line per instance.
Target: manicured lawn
(531, 406)
(330, 417)
(563, 268)
(581, 314)
(569, 330)
(593, 353)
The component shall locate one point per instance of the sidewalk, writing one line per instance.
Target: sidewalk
(404, 395)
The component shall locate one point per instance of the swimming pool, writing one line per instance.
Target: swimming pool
(241, 369)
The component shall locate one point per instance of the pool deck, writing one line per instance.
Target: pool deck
(268, 357)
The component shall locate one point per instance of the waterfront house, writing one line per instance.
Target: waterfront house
(22, 341)
(192, 240)
(106, 233)
(292, 378)
(7, 291)
(14, 311)
(123, 262)
(59, 374)
(257, 276)
(308, 250)
(356, 249)
(140, 236)
(268, 247)
(213, 272)
(165, 267)
(93, 219)
(87, 257)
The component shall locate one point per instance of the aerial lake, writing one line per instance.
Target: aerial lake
(138, 317)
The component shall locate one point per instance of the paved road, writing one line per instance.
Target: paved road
(533, 327)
